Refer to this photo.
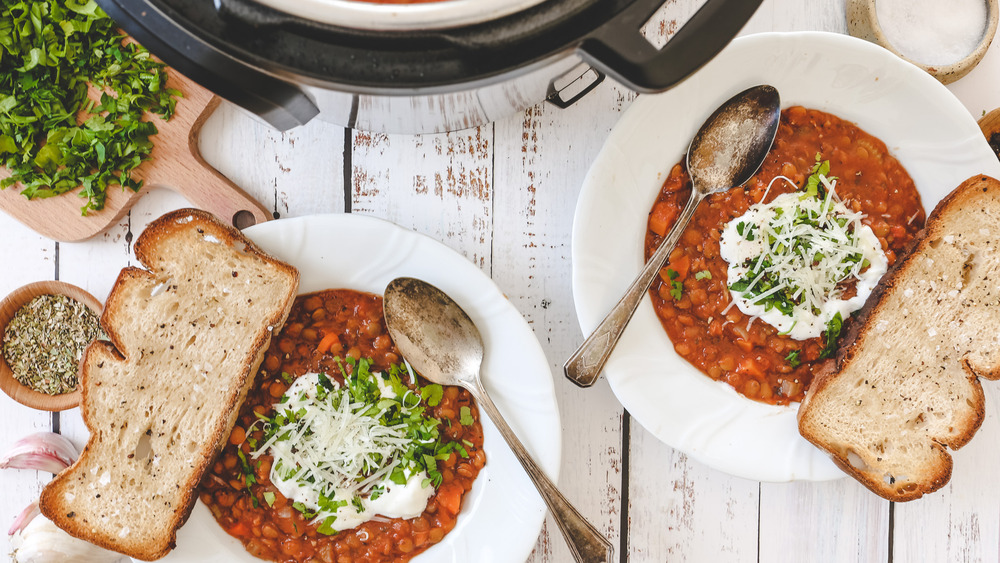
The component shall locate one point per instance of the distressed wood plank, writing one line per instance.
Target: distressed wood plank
(298, 172)
(681, 510)
(541, 161)
(822, 522)
(28, 257)
(961, 521)
(440, 185)
(796, 15)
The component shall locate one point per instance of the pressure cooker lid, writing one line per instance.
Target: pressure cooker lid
(399, 14)
(258, 57)
(425, 61)
(367, 61)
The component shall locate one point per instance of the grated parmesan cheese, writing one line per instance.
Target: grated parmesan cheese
(790, 259)
(337, 453)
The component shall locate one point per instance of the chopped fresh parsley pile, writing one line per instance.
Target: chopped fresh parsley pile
(385, 434)
(51, 50)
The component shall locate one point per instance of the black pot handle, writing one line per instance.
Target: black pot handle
(280, 103)
(620, 50)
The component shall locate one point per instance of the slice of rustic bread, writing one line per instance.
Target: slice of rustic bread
(187, 336)
(904, 386)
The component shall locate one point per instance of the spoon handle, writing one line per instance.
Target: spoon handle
(586, 543)
(585, 365)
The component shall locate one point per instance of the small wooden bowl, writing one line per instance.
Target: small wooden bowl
(8, 308)
(862, 22)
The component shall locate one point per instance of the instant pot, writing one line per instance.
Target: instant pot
(424, 67)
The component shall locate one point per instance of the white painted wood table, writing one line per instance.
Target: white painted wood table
(503, 195)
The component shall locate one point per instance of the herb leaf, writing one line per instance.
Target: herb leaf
(832, 333)
(793, 358)
(465, 417)
(676, 289)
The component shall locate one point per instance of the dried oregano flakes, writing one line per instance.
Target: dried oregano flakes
(44, 341)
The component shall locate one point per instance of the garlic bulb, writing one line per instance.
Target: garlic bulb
(41, 541)
(44, 451)
(34, 538)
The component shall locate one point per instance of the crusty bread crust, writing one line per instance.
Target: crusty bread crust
(187, 336)
(904, 386)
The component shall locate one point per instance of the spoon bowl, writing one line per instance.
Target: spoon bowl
(442, 344)
(434, 334)
(731, 145)
(726, 151)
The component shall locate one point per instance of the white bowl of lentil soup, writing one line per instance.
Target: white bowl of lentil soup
(735, 424)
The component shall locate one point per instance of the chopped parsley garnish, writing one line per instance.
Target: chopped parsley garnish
(465, 417)
(346, 441)
(51, 51)
(432, 394)
(814, 187)
(676, 286)
(793, 358)
(832, 334)
(791, 258)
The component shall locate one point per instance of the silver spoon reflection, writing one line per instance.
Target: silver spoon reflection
(442, 343)
(727, 150)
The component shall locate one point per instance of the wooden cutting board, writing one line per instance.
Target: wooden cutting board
(175, 163)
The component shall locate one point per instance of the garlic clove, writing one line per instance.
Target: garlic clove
(24, 518)
(44, 451)
(41, 541)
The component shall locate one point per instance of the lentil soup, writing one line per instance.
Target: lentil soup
(322, 328)
(691, 296)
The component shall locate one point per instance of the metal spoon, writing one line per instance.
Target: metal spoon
(727, 150)
(442, 343)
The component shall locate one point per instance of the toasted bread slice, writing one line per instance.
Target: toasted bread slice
(905, 386)
(187, 336)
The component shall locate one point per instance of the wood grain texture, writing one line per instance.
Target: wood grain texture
(540, 163)
(680, 510)
(28, 257)
(822, 522)
(440, 185)
(297, 172)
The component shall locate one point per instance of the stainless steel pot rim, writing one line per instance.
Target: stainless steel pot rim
(439, 14)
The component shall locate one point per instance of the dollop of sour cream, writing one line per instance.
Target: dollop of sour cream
(790, 260)
(329, 455)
